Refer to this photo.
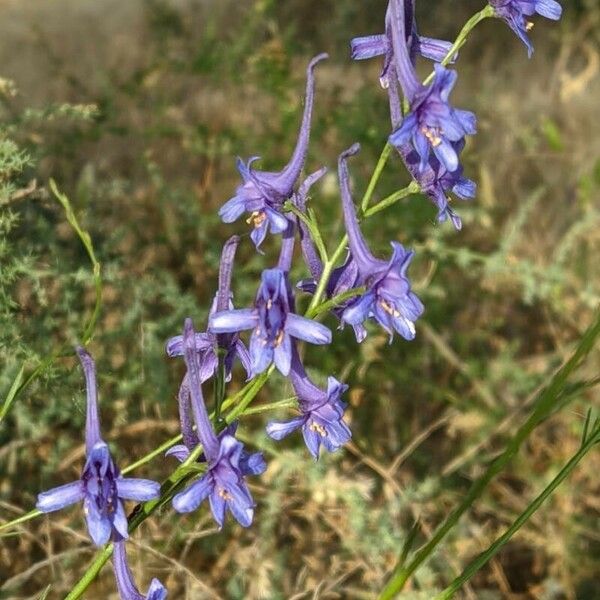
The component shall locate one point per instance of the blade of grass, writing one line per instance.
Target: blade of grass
(488, 554)
(546, 402)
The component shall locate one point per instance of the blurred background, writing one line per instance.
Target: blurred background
(138, 110)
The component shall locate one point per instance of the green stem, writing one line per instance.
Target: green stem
(486, 556)
(546, 401)
(91, 574)
(335, 301)
(291, 402)
(383, 158)
(461, 39)
(412, 188)
(310, 223)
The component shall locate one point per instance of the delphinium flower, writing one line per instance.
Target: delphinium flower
(263, 193)
(516, 13)
(125, 583)
(273, 324)
(101, 486)
(388, 297)
(382, 45)
(432, 123)
(435, 181)
(223, 482)
(209, 343)
(321, 411)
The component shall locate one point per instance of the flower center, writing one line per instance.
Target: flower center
(529, 26)
(432, 134)
(318, 428)
(257, 218)
(224, 494)
(389, 308)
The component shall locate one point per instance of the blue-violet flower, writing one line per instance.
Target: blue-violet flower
(322, 412)
(273, 323)
(515, 13)
(101, 486)
(223, 483)
(388, 297)
(209, 343)
(263, 193)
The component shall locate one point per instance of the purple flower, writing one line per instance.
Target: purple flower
(209, 343)
(262, 193)
(125, 583)
(101, 486)
(382, 45)
(273, 323)
(223, 482)
(388, 297)
(433, 124)
(436, 182)
(321, 411)
(514, 12)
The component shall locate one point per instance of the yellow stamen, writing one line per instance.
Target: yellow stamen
(318, 428)
(433, 135)
(279, 338)
(224, 494)
(529, 26)
(389, 308)
(256, 218)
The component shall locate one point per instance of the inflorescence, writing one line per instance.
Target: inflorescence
(429, 134)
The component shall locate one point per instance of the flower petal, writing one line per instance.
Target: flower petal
(405, 131)
(180, 452)
(217, 506)
(99, 526)
(549, 9)
(368, 46)
(60, 497)
(307, 330)
(231, 321)
(190, 498)
(174, 346)
(312, 439)
(433, 49)
(232, 209)
(140, 490)
(359, 310)
(156, 591)
(282, 355)
(446, 154)
(278, 430)
(252, 464)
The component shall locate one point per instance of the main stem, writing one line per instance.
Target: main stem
(462, 37)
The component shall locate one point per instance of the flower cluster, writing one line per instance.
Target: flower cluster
(429, 133)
